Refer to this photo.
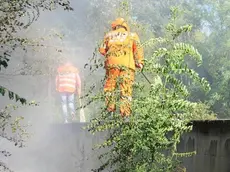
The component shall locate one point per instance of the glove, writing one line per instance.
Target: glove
(139, 65)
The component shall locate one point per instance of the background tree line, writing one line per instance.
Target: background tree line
(210, 35)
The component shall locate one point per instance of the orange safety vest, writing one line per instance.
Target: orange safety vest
(67, 80)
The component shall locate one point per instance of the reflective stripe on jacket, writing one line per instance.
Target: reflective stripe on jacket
(67, 79)
(122, 48)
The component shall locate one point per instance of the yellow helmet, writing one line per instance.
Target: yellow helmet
(119, 22)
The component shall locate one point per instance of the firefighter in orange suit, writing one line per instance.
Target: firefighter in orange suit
(123, 54)
(68, 83)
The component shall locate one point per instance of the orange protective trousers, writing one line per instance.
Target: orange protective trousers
(123, 79)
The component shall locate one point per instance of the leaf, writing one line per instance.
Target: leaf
(2, 90)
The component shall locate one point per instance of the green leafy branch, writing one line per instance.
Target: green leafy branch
(161, 113)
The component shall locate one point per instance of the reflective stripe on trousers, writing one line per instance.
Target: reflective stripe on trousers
(119, 82)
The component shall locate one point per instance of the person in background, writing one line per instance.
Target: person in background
(68, 84)
(123, 54)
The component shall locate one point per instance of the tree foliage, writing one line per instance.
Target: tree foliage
(215, 47)
(15, 17)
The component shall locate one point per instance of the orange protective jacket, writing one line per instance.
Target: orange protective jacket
(68, 79)
(122, 48)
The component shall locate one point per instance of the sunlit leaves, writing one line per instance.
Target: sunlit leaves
(152, 42)
(189, 50)
(14, 124)
(16, 15)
